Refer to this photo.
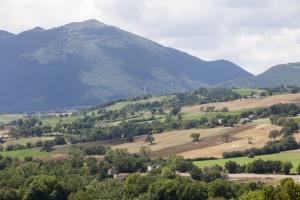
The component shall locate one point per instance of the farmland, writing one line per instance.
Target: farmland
(21, 154)
(23, 141)
(5, 118)
(247, 103)
(293, 157)
(248, 91)
(210, 144)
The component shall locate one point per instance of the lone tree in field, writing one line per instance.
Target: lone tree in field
(149, 139)
(274, 134)
(225, 137)
(195, 136)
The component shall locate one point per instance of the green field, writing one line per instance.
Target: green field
(119, 105)
(293, 157)
(199, 114)
(21, 154)
(248, 91)
(6, 118)
(23, 141)
(297, 119)
(54, 121)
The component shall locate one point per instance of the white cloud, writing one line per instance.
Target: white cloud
(253, 34)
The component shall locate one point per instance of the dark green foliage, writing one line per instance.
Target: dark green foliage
(59, 141)
(9, 194)
(94, 150)
(286, 167)
(47, 146)
(195, 136)
(219, 188)
(231, 166)
(46, 188)
(262, 167)
(136, 184)
(28, 158)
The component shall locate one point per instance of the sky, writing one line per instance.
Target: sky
(254, 34)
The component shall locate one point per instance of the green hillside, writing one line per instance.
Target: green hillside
(84, 63)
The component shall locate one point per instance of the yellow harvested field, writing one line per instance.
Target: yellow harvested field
(258, 136)
(170, 139)
(3, 133)
(248, 103)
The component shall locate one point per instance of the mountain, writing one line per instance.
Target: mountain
(85, 63)
(284, 74)
(5, 34)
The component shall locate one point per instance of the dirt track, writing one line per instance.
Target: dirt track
(271, 179)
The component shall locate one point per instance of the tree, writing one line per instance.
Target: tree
(149, 139)
(196, 173)
(175, 110)
(231, 166)
(136, 184)
(194, 191)
(168, 173)
(274, 134)
(166, 189)
(298, 169)
(225, 137)
(287, 190)
(220, 188)
(122, 160)
(253, 195)
(91, 163)
(286, 167)
(47, 146)
(195, 136)
(177, 162)
(60, 140)
(80, 195)
(145, 152)
(9, 194)
(46, 188)
(107, 189)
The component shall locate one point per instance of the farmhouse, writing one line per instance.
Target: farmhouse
(8, 127)
(121, 176)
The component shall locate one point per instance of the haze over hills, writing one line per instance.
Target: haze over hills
(5, 34)
(284, 74)
(85, 63)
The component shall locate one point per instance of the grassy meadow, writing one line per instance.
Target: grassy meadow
(293, 157)
(120, 105)
(199, 114)
(248, 91)
(6, 118)
(21, 154)
(23, 141)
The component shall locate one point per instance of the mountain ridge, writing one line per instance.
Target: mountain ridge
(85, 63)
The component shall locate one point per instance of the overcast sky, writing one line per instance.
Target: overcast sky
(254, 34)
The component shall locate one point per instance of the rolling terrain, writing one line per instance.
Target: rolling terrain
(284, 74)
(248, 103)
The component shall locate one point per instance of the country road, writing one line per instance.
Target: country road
(261, 177)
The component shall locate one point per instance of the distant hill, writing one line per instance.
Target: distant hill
(5, 34)
(284, 74)
(85, 63)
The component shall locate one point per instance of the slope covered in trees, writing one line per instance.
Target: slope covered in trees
(84, 63)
